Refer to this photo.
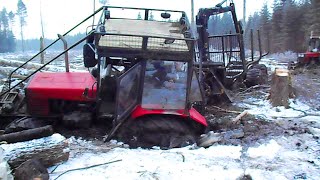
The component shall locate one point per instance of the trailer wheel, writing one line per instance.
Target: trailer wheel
(258, 74)
(166, 131)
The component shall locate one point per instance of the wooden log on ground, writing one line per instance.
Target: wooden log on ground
(27, 134)
(281, 88)
(49, 151)
(239, 117)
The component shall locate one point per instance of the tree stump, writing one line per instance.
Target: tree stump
(281, 88)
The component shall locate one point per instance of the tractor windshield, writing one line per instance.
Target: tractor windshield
(314, 45)
(165, 85)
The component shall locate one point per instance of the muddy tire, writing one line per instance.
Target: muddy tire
(262, 67)
(258, 74)
(157, 130)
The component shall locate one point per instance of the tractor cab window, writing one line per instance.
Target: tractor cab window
(165, 85)
(314, 45)
(127, 97)
(195, 93)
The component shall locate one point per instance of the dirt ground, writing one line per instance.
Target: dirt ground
(306, 84)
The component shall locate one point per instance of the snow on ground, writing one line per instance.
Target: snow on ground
(182, 163)
(263, 108)
(272, 160)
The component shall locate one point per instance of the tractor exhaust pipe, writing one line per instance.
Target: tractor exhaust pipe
(66, 57)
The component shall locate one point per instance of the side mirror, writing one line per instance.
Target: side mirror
(89, 59)
(165, 15)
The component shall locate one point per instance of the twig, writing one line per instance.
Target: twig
(54, 168)
(96, 165)
(252, 87)
(225, 110)
(183, 158)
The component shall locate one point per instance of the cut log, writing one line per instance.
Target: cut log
(239, 117)
(49, 151)
(281, 88)
(27, 134)
(31, 169)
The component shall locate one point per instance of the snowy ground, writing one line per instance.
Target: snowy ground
(293, 152)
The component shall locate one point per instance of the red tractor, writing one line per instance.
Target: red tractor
(142, 81)
(312, 56)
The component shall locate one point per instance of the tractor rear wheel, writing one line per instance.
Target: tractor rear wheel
(166, 131)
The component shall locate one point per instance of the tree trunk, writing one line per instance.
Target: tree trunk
(41, 48)
(27, 134)
(281, 88)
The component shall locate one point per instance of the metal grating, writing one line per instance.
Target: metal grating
(224, 49)
(167, 44)
(118, 41)
(136, 42)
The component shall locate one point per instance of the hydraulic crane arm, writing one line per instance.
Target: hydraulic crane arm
(204, 14)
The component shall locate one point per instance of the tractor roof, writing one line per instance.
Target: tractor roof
(129, 33)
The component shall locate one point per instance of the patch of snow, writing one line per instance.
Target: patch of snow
(284, 57)
(272, 64)
(268, 150)
(5, 172)
(181, 163)
(264, 109)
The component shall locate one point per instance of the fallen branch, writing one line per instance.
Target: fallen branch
(225, 110)
(239, 117)
(251, 88)
(88, 167)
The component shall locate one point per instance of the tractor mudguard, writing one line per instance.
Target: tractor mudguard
(193, 114)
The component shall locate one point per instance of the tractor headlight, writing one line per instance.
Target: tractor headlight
(301, 55)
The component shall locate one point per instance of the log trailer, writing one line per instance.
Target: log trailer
(143, 79)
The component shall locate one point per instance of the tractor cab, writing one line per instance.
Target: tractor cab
(146, 81)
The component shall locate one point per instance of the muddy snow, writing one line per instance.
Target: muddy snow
(278, 143)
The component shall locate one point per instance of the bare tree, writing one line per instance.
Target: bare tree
(22, 13)
(42, 36)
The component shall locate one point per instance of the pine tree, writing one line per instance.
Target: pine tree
(252, 24)
(265, 27)
(288, 26)
(22, 13)
(314, 16)
(7, 39)
(11, 19)
(4, 20)
(276, 26)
